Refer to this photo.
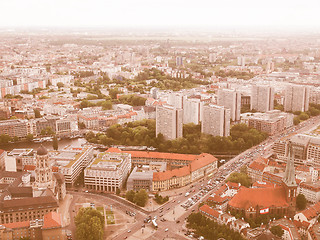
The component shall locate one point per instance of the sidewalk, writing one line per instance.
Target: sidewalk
(64, 210)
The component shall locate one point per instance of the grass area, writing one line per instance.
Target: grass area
(110, 217)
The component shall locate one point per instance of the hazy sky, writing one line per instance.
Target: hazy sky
(130, 13)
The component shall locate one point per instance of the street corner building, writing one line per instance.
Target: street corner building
(280, 200)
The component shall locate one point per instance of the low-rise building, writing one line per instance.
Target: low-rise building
(48, 227)
(203, 166)
(271, 122)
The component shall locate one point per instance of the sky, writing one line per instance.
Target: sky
(160, 13)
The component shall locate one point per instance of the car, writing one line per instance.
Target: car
(86, 191)
(129, 231)
(177, 221)
(166, 230)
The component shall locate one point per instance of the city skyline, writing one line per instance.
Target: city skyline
(183, 14)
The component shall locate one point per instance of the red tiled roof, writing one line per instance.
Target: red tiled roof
(263, 197)
(114, 150)
(302, 224)
(23, 224)
(233, 185)
(201, 161)
(51, 220)
(218, 199)
(258, 166)
(312, 211)
(178, 172)
(29, 168)
(159, 155)
(264, 184)
(205, 208)
(33, 167)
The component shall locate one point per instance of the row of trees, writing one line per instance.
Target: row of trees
(314, 110)
(160, 200)
(210, 229)
(234, 74)
(143, 133)
(132, 100)
(105, 104)
(89, 224)
(140, 198)
(167, 82)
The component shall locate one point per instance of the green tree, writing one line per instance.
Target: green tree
(130, 195)
(89, 224)
(301, 202)
(303, 116)
(81, 125)
(277, 230)
(114, 92)
(118, 191)
(4, 138)
(29, 137)
(141, 198)
(55, 143)
(107, 105)
(241, 178)
(37, 113)
(60, 85)
(296, 120)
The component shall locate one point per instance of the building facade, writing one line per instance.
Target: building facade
(262, 98)
(169, 122)
(216, 120)
(296, 98)
(230, 99)
(108, 172)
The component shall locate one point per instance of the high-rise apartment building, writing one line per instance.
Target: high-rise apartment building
(216, 120)
(179, 61)
(297, 98)
(192, 110)
(262, 98)
(169, 122)
(230, 99)
(175, 99)
(241, 61)
(212, 57)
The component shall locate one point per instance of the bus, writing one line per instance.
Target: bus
(155, 225)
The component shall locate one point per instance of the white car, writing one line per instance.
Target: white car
(166, 230)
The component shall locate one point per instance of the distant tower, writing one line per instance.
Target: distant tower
(43, 170)
(289, 182)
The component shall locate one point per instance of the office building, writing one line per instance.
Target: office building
(71, 162)
(262, 98)
(169, 122)
(108, 171)
(230, 99)
(216, 120)
(14, 128)
(296, 98)
(271, 122)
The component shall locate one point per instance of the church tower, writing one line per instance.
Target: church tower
(43, 169)
(289, 181)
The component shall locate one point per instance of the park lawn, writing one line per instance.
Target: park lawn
(110, 217)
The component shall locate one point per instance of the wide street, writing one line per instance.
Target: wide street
(170, 217)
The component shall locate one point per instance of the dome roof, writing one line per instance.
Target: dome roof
(42, 150)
